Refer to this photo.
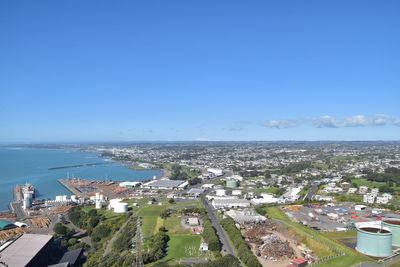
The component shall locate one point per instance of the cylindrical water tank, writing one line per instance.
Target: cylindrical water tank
(121, 207)
(394, 226)
(374, 241)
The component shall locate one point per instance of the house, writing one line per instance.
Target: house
(375, 191)
(363, 189)
(193, 221)
(345, 185)
(352, 190)
(382, 200)
(369, 198)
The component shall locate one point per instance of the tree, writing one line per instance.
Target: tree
(162, 229)
(99, 232)
(171, 201)
(60, 229)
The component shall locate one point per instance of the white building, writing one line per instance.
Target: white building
(129, 184)
(363, 189)
(166, 184)
(230, 203)
(220, 192)
(265, 199)
(236, 192)
(352, 190)
(245, 215)
(382, 200)
(369, 198)
(216, 172)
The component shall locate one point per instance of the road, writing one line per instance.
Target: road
(313, 189)
(226, 246)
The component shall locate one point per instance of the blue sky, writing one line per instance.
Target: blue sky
(199, 70)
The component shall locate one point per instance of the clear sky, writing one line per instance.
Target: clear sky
(199, 70)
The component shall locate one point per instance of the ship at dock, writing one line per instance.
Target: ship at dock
(24, 194)
(28, 189)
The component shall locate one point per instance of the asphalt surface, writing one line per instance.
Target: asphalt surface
(311, 192)
(226, 246)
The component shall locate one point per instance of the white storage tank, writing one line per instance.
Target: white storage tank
(121, 207)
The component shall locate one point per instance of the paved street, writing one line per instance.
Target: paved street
(226, 246)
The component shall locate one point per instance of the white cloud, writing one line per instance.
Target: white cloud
(327, 121)
(356, 121)
(282, 123)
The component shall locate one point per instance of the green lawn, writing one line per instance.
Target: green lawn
(270, 190)
(360, 182)
(350, 258)
(173, 224)
(149, 218)
(341, 234)
(184, 246)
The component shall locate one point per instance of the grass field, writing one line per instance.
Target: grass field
(184, 246)
(270, 190)
(341, 234)
(350, 258)
(360, 182)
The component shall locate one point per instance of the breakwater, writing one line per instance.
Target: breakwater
(80, 165)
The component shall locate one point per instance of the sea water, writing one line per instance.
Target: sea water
(24, 165)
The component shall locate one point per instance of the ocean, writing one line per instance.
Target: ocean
(23, 165)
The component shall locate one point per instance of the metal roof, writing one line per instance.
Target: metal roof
(5, 225)
(72, 256)
(24, 249)
(166, 183)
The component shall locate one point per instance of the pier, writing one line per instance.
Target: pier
(66, 183)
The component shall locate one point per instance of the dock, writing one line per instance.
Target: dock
(70, 187)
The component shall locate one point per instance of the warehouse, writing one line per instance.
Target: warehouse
(230, 203)
(4, 225)
(27, 250)
(166, 184)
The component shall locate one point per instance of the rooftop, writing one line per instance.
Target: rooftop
(165, 183)
(5, 225)
(24, 249)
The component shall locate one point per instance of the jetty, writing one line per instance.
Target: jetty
(73, 189)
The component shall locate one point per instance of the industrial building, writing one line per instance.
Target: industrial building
(394, 226)
(230, 203)
(373, 239)
(27, 250)
(245, 216)
(166, 184)
(4, 225)
(129, 184)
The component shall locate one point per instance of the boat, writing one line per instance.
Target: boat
(28, 189)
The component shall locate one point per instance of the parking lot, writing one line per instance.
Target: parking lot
(341, 216)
